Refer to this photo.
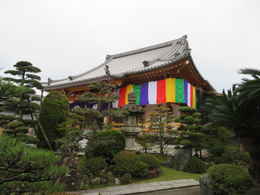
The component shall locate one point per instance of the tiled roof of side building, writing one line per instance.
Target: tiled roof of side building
(119, 65)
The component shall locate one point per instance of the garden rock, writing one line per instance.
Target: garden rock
(181, 158)
(204, 185)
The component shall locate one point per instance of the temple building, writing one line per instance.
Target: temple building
(164, 73)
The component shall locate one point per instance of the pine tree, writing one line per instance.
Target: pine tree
(190, 134)
(159, 123)
(22, 101)
(99, 94)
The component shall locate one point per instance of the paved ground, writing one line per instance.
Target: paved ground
(179, 187)
(182, 191)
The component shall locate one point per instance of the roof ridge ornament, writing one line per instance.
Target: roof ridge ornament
(107, 71)
(146, 63)
(49, 81)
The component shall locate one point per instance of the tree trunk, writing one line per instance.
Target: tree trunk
(250, 145)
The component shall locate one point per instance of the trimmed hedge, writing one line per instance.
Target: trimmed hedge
(54, 111)
(126, 162)
(195, 165)
(226, 179)
(93, 166)
(150, 160)
(106, 144)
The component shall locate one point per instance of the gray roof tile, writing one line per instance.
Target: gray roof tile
(130, 62)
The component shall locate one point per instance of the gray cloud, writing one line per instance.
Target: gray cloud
(67, 37)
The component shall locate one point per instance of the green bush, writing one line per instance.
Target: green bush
(93, 166)
(27, 169)
(230, 155)
(195, 165)
(150, 160)
(227, 179)
(126, 178)
(106, 144)
(54, 111)
(126, 162)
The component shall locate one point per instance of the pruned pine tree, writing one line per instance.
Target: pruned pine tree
(159, 124)
(24, 169)
(190, 134)
(99, 94)
(23, 102)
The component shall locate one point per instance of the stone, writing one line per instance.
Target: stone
(181, 158)
(117, 181)
(96, 181)
(205, 185)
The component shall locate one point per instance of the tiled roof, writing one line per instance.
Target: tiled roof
(121, 64)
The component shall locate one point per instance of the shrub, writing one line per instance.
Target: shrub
(126, 162)
(150, 160)
(195, 165)
(106, 144)
(126, 178)
(26, 169)
(229, 154)
(54, 110)
(226, 179)
(93, 166)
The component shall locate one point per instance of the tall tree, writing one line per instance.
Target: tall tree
(190, 133)
(54, 111)
(159, 124)
(24, 103)
(239, 109)
(99, 94)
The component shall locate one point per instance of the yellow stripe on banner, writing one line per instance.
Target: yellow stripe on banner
(194, 100)
(129, 89)
(170, 90)
(174, 90)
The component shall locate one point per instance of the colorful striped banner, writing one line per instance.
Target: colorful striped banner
(161, 95)
(137, 91)
(160, 92)
(152, 92)
(144, 94)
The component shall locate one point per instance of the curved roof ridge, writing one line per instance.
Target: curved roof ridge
(82, 74)
(148, 48)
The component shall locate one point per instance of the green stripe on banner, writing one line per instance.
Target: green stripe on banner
(137, 92)
(180, 91)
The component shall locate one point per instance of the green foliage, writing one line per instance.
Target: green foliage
(126, 162)
(99, 93)
(186, 110)
(190, 133)
(18, 97)
(159, 122)
(126, 178)
(27, 169)
(150, 160)
(93, 166)
(54, 111)
(146, 141)
(238, 109)
(195, 165)
(105, 144)
(229, 154)
(227, 179)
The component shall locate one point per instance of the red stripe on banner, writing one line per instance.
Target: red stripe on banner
(191, 96)
(161, 91)
(122, 94)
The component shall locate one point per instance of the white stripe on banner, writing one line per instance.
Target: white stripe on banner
(115, 103)
(189, 94)
(152, 92)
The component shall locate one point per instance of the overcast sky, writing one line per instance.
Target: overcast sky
(67, 37)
